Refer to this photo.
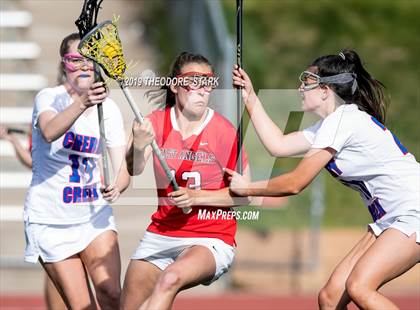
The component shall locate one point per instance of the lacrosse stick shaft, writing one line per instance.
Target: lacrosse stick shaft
(105, 168)
(239, 90)
(17, 130)
(154, 145)
(103, 145)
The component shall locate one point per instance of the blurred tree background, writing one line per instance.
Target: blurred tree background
(282, 37)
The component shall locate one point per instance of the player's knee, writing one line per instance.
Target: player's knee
(329, 296)
(357, 289)
(169, 281)
(108, 295)
(326, 298)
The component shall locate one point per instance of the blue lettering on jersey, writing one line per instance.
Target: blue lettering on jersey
(80, 143)
(374, 207)
(333, 169)
(360, 187)
(376, 210)
(68, 140)
(74, 176)
(89, 164)
(67, 197)
(79, 194)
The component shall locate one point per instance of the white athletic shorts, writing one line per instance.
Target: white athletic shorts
(162, 251)
(54, 243)
(408, 224)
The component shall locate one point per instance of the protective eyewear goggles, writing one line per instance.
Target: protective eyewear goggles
(74, 62)
(193, 81)
(311, 80)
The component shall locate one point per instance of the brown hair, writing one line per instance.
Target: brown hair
(64, 47)
(369, 95)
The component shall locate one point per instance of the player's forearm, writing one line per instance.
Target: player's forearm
(268, 132)
(61, 122)
(219, 198)
(22, 153)
(283, 185)
(123, 179)
(136, 159)
(295, 181)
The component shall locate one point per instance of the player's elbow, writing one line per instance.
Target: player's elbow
(273, 150)
(296, 185)
(135, 169)
(278, 153)
(125, 181)
(279, 149)
(49, 134)
(48, 137)
(292, 189)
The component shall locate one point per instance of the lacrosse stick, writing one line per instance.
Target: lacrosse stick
(85, 23)
(17, 131)
(239, 90)
(103, 45)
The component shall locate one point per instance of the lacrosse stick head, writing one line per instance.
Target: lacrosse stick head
(88, 16)
(103, 45)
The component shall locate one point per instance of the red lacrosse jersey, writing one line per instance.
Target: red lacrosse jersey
(197, 163)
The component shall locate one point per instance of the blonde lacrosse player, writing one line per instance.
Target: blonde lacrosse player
(69, 226)
(352, 143)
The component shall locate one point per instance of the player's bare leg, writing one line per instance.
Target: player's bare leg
(52, 296)
(392, 254)
(333, 295)
(71, 281)
(140, 280)
(102, 261)
(194, 266)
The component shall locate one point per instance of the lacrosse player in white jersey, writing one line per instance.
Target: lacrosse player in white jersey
(69, 226)
(351, 141)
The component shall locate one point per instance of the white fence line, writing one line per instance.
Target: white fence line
(11, 213)
(15, 115)
(15, 19)
(28, 82)
(19, 50)
(17, 180)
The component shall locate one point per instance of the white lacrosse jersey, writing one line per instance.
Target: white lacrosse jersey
(66, 174)
(369, 159)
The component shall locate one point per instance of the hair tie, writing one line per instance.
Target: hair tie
(341, 54)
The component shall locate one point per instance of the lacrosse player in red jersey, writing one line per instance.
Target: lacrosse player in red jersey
(69, 226)
(180, 250)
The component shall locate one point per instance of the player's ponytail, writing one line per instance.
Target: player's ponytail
(369, 94)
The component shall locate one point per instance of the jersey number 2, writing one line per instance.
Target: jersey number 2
(195, 175)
